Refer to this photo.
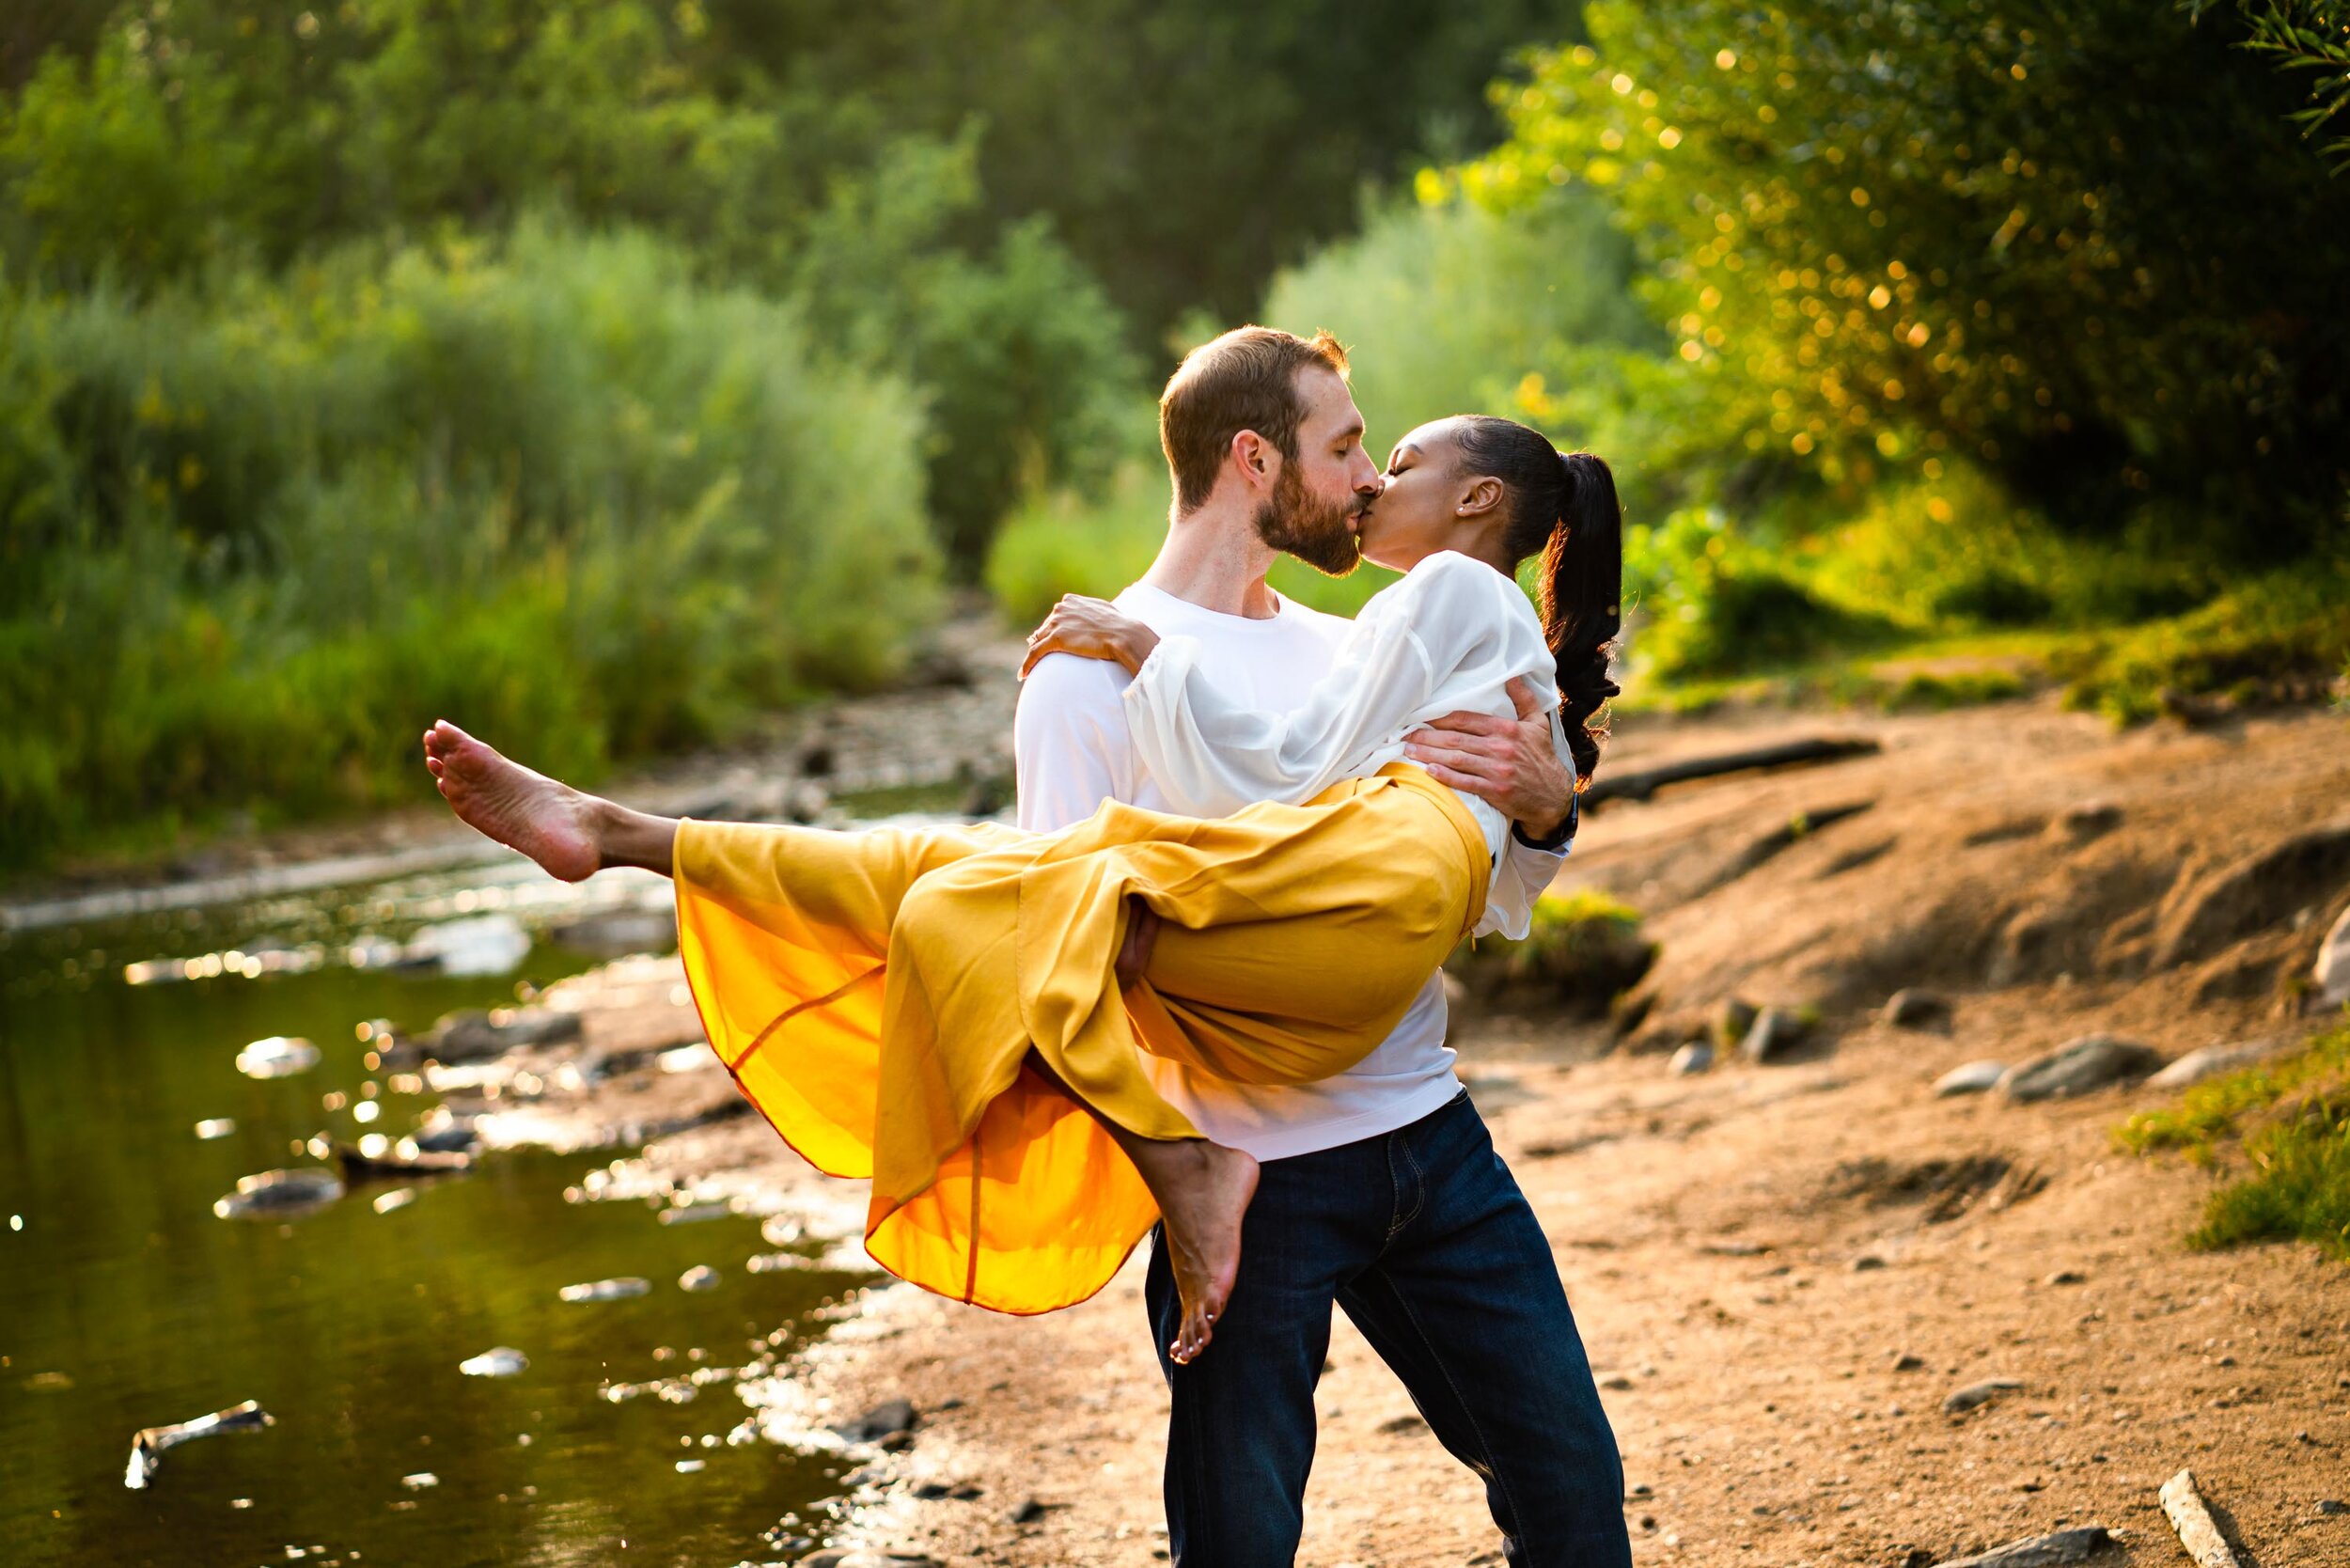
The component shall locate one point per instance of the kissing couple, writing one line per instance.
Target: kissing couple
(1195, 993)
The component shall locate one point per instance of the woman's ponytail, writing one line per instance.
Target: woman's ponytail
(1564, 508)
(1582, 601)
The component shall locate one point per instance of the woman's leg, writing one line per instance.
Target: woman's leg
(570, 834)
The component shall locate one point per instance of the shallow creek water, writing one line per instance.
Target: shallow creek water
(126, 1303)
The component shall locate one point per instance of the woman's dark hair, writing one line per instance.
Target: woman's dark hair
(1562, 506)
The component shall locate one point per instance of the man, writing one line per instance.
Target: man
(1380, 1191)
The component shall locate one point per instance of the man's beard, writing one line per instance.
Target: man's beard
(1298, 524)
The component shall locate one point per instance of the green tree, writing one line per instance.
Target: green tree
(2310, 36)
(2081, 248)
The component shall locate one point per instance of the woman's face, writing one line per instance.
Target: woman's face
(1417, 514)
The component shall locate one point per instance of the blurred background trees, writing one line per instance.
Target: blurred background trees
(620, 369)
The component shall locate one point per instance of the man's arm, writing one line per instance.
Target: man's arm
(1512, 764)
(1069, 742)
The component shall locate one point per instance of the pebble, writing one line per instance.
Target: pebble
(218, 1127)
(1694, 1057)
(421, 1479)
(1617, 1381)
(280, 1055)
(1975, 1077)
(2078, 1067)
(277, 1193)
(500, 1361)
(702, 1277)
(2332, 1505)
(1911, 1008)
(398, 1197)
(1866, 1262)
(890, 1419)
(605, 1289)
(1963, 1399)
(1732, 1017)
(1906, 1362)
(1775, 1031)
(2068, 1276)
(2078, 825)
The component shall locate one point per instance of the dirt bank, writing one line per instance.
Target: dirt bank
(1781, 1270)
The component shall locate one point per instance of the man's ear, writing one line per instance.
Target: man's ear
(1480, 496)
(1258, 460)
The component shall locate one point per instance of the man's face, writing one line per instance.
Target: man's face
(1317, 499)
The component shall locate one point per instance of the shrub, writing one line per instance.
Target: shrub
(1582, 950)
(259, 534)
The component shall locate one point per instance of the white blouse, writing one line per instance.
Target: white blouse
(1449, 637)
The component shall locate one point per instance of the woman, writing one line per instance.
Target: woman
(944, 1011)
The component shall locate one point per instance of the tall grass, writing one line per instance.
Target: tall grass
(256, 534)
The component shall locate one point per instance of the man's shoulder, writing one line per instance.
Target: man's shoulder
(1065, 682)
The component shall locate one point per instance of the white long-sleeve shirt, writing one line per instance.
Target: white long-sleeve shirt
(1448, 638)
(1075, 750)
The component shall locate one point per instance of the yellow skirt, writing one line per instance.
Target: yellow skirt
(876, 995)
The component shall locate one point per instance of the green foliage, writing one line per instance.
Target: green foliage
(1710, 600)
(2304, 36)
(2079, 249)
(2278, 637)
(256, 536)
(1065, 541)
(2291, 1121)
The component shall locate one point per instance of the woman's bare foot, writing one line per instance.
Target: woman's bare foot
(551, 823)
(1203, 1191)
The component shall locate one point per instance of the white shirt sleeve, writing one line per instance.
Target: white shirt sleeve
(1212, 755)
(1069, 742)
(1524, 873)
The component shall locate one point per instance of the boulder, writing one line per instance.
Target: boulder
(1974, 1077)
(2079, 1067)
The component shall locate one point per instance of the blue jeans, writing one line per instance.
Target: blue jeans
(1422, 1236)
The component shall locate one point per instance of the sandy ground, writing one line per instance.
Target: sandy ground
(1781, 1270)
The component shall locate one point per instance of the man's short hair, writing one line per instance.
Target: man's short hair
(1245, 380)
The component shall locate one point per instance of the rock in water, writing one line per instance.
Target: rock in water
(1975, 1077)
(1976, 1394)
(2332, 973)
(605, 1289)
(281, 1056)
(1694, 1057)
(500, 1361)
(702, 1277)
(2211, 1061)
(2079, 1067)
(1913, 1008)
(276, 1193)
(1775, 1032)
(215, 1126)
(477, 1036)
(2041, 1551)
(480, 944)
(147, 1447)
(890, 1419)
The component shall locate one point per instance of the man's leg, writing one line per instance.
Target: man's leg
(1466, 1306)
(1240, 1437)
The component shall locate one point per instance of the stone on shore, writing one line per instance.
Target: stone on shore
(891, 1418)
(2332, 973)
(2079, 1067)
(1975, 1395)
(1775, 1032)
(1694, 1057)
(1732, 1017)
(476, 1036)
(2041, 1551)
(1975, 1077)
(1914, 1009)
(2211, 1061)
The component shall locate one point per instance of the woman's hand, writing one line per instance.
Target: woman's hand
(1090, 629)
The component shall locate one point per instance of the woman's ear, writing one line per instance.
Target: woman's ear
(1478, 497)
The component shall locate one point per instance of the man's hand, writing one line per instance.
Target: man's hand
(1508, 764)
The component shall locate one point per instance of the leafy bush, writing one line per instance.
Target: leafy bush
(1583, 948)
(1709, 601)
(256, 536)
(2278, 637)
(1890, 230)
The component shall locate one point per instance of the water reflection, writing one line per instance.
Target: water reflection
(128, 1303)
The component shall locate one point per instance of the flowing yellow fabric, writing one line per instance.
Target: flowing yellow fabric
(876, 995)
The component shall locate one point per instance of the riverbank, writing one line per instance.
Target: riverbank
(1782, 1270)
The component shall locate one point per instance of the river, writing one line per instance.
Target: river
(126, 1302)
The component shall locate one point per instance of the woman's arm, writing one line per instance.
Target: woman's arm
(1213, 754)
